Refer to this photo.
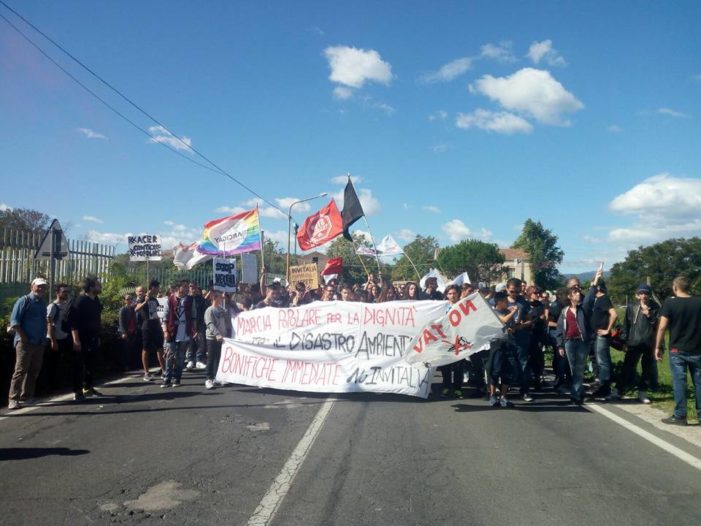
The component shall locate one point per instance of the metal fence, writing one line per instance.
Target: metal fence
(18, 266)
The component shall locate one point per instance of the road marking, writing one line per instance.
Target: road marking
(281, 485)
(669, 448)
(60, 398)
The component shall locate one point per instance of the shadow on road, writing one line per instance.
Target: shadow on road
(23, 453)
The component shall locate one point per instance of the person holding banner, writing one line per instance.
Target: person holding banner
(453, 372)
(501, 362)
(217, 319)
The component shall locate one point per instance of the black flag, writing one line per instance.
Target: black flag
(352, 211)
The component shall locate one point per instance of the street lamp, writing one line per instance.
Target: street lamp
(289, 229)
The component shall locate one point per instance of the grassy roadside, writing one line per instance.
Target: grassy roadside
(663, 398)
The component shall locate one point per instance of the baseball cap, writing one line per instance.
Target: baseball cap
(39, 281)
(644, 287)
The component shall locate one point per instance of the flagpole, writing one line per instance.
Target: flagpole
(412, 264)
(355, 249)
(372, 238)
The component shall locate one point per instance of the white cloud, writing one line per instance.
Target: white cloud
(280, 236)
(432, 208)
(108, 238)
(93, 219)
(456, 230)
(530, 91)
(614, 128)
(498, 122)
(406, 234)
(342, 92)
(592, 239)
(389, 110)
(673, 113)
(90, 134)
(501, 52)
(439, 115)
(368, 201)
(343, 179)
(352, 68)
(161, 135)
(545, 52)
(448, 71)
(5, 208)
(484, 234)
(263, 209)
(285, 202)
(664, 206)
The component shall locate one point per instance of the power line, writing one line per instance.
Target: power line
(86, 88)
(216, 168)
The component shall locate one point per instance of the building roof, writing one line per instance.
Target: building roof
(511, 254)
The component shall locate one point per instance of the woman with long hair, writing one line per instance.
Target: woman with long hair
(574, 335)
(411, 291)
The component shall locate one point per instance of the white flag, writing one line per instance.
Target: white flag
(362, 250)
(186, 256)
(433, 273)
(462, 278)
(389, 247)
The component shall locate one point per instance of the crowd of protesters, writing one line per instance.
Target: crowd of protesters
(183, 328)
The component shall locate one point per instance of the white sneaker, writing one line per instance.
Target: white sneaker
(642, 396)
(13, 404)
(201, 365)
(190, 364)
(209, 384)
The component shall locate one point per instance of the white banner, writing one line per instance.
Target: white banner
(224, 274)
(331, 347)
(145, 247)
(468, 327)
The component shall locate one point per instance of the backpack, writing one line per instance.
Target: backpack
(25, 308)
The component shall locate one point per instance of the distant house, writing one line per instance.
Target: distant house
(516, 265)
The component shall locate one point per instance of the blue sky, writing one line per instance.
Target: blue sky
(459, 119)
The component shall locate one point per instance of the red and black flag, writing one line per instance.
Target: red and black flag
(352, 211)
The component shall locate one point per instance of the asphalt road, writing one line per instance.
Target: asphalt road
(144, 455)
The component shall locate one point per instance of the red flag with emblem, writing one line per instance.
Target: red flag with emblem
(320, 227)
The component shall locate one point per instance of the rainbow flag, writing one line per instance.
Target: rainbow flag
(231, 235)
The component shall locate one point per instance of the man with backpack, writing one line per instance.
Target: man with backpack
(60, 341)
(28, 321)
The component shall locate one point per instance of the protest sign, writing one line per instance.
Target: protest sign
(224, 274)
(144, 247)
(468, 327)
(308, 274)
(330, 347)
(249, 269)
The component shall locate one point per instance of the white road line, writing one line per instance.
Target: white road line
(60, 398)
(669, 448)
(281, 485)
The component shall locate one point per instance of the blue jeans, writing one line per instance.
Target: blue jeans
(603, 359)
(175, 361)
(577, 352)
(678, 364)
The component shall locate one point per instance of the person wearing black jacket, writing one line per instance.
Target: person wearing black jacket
(639, 329)
(86, 325)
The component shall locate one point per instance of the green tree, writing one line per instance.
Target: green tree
(544, 254)
(421, 251)
(353, 270)
(661, 263)
(482, 261)
(24, 219)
